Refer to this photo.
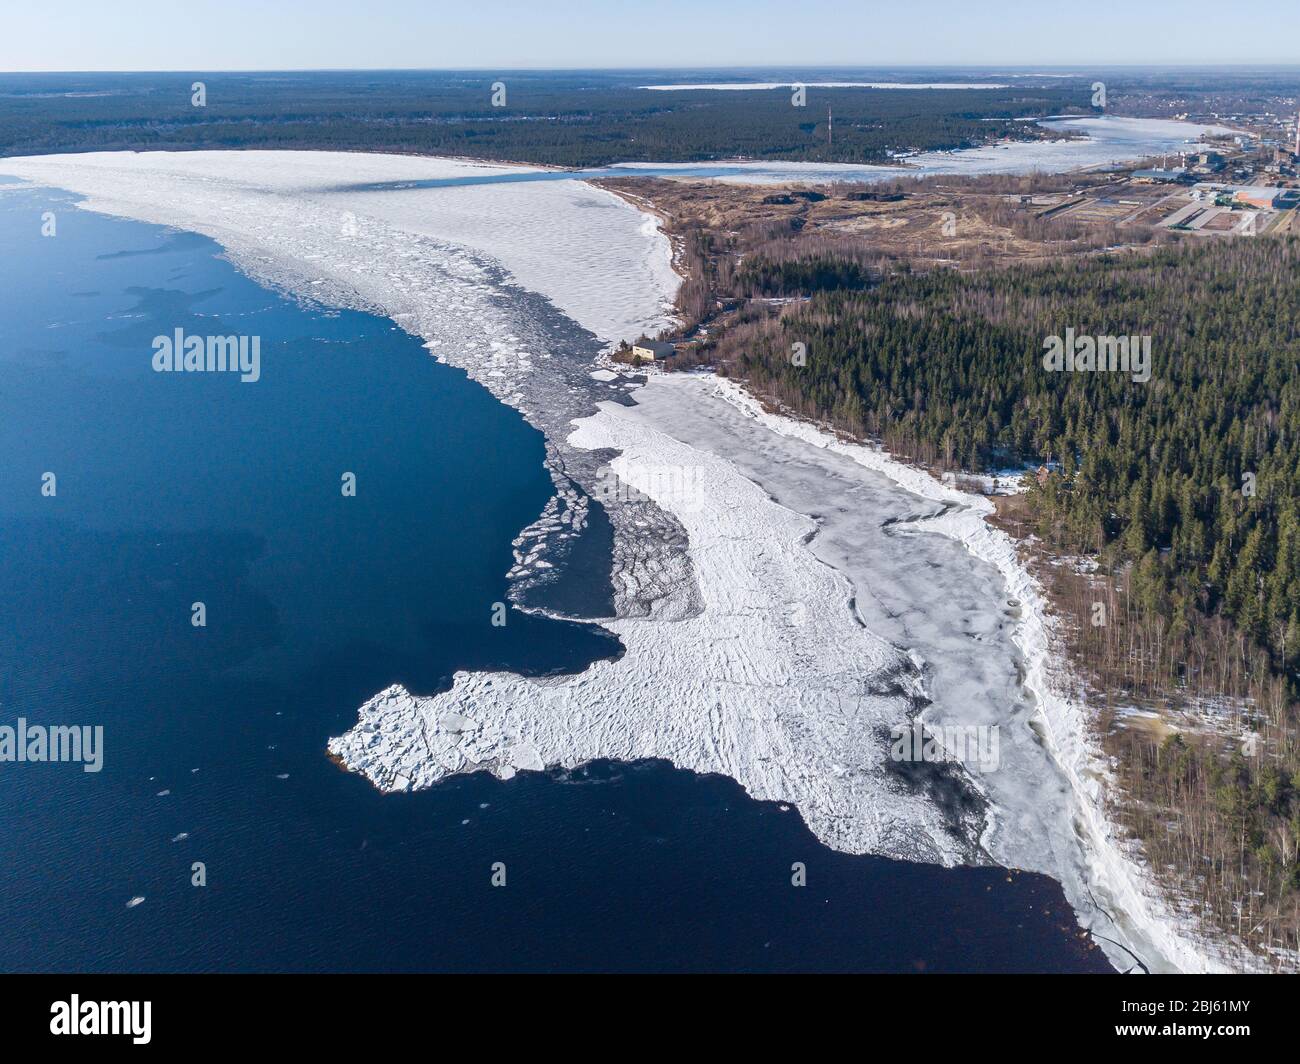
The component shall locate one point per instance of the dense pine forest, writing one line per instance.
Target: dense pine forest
(562, 119)
(1199, 467)
(1185, 490)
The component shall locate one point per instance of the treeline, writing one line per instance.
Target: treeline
(1196, 470)
(767, 276)
(1185, 489)
(559, 119)
(1217, 808)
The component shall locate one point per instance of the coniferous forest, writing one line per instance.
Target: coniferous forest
(1199, 467)
(560, 119)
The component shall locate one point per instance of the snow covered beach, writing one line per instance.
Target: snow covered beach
(1102, 874)
(750, 652)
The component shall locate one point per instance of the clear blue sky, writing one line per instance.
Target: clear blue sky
(502, 34)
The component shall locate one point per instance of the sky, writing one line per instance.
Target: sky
(194, 35)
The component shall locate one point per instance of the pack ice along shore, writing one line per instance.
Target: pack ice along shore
(778, 629)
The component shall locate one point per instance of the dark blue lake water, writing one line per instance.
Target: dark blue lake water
(181, 488)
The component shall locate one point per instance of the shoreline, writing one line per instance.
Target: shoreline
(672, 600)
(1118, 870)
(1117, 861)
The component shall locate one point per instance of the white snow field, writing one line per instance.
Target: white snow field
(786, 641)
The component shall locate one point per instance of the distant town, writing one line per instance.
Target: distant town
(1245, 185)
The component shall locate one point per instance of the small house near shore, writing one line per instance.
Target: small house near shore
(651, 351)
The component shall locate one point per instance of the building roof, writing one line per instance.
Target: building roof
(658, 347)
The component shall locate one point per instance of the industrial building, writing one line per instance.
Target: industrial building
(1273, 199)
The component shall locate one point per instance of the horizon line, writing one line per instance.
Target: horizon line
(755, 67)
